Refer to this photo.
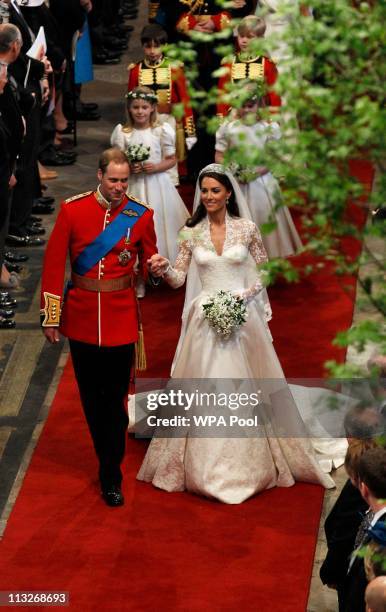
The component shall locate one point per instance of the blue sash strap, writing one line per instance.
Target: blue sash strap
(107, 239)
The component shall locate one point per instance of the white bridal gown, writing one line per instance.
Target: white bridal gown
(156, 190)
(263, 193)
(230, 469)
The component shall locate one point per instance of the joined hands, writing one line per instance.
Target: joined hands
(157, 265)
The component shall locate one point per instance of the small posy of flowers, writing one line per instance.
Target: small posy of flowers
(243, 174)
(225, 312)
(137, 153)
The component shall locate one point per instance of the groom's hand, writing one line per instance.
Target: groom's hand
(157, 265)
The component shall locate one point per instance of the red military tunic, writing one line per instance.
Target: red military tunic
(101, 318)
(169, 83)
(254, 69)
(200, 11)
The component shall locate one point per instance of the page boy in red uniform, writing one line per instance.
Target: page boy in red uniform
(246, 66)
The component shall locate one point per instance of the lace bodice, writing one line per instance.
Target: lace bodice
(230, 271)
(160, 139)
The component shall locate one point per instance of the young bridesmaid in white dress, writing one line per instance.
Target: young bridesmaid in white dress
(149, 181)
(261, 191)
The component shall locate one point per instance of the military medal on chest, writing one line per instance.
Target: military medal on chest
(125, 255)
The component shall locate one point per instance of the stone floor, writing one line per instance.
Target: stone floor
(29, 368)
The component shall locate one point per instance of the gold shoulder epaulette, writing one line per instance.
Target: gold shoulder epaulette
(77, 197)
(131, 66)
(131, 197)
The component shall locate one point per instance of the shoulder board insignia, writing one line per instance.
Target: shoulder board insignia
(77, 197)
(131, 66)
(131, 197)
(130, 213)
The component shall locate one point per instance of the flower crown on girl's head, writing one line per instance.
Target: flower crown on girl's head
(141, 95)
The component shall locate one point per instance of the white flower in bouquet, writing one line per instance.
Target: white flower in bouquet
(225, 312)
(137, 153)
(244, 174)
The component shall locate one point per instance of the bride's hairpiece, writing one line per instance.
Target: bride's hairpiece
(141, 95)
(219, 168)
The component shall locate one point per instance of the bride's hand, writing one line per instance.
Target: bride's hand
(157, 265)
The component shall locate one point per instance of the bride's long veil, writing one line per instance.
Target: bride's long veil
(193, 283)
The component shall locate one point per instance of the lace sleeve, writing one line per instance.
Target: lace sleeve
(258, 252)
(175, 276)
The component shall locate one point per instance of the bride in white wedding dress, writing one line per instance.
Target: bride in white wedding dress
(220, 246)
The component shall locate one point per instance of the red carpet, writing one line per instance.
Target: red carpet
(171, 551)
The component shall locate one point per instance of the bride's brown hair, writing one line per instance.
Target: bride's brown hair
(232, 207)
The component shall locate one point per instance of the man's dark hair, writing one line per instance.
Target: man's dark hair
(154, 33)
(372, 471)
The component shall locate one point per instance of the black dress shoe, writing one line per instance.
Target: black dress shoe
(23, 241)
(42, 209)
(7, 323)
(35, 229)
(12, 267)
(103, 59)
(119, 30)
(9, 303)
(57, 160)
(68, 152)
(68, 130)
(6, 313)
(89, 106)
(15, 257)
(47, 200)
(114, 43)
(4, 294)
(113, 495)
(130, 14)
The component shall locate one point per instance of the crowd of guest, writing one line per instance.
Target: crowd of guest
(355, 564)
(39, 105)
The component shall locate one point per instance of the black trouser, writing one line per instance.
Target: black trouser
(103, 375)
(25, 190)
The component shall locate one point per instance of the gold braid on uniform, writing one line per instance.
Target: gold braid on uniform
(51, 310)
(153, 8)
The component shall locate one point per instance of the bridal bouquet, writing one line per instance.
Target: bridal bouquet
(137, 153)
(243, 174)
(225, 313)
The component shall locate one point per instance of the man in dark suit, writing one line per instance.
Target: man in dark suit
(12, 133)
(27, 74)
(372, 485)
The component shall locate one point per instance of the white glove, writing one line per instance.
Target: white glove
(190, 142)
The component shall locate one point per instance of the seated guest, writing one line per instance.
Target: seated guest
(362, 425)
(372, 485)
(375, 595)
(342, 524)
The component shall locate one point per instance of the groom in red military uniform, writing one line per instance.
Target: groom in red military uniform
(103, 231)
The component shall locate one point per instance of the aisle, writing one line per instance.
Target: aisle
(171, 551)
